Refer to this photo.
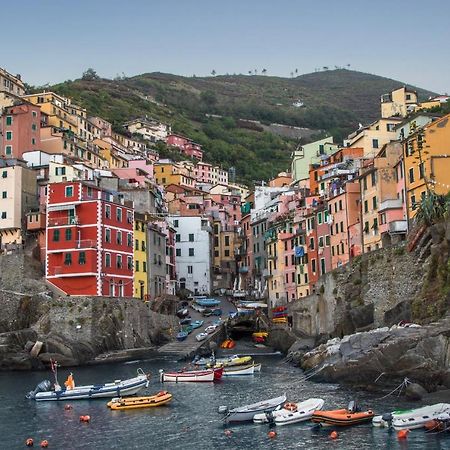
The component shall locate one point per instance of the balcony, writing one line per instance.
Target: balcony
(60, 221)
(398, 227)
(390, 204)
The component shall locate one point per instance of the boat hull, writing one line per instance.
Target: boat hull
(108, 390)
(417, 418)
(283, 416)
(341, 417)
(122, 404)
(188, 377)
(246, 413)
(241, 370)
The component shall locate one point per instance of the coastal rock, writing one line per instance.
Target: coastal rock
(415, 391)
(386, 355)
(63, 361)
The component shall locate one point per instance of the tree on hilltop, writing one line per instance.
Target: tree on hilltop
(89, 75)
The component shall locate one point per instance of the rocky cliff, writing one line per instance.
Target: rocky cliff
(353, 316)
(73, 330)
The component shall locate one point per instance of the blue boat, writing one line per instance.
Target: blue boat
(182, 335)
(208, 302)
(197, 324)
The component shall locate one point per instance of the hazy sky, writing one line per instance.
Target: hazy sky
(49, 41)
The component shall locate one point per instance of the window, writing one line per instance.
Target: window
(108, 211)
(421, 171)
(119, 238)
(413, 202)
(68, 259)
(321, 241)
(178, 238)
(136, 266)
(408, 96)
(119, 261)
(4, 194)
(411, 175)
(9, 135)
(68, 191)
(342, 227)
(68, 234)
(60, 171)
(178, 252)
(374, 178)
(322, 266)
(366, 206)
(144, 266)
(327, 240)
(56, 236)
(130, 217)
(375, 224)
(191, 252)
(366, 227)
(313, 265)
(321, 149)
(81, 258)
(8, 149)
(190, 269)
(374, 203)
(227, 241)
(227, 253)
(107, 260)
(130, 240)
(33, 126)
(143, 246)
(175, 223)
(365, 183)
(191, 238)
(119, 214)
(311, 243)
(136, 244)
(9, 120)
(107, 235)
(375, 143)
(130, 263)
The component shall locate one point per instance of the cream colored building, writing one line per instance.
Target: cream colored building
(11, 88)
(149, 129)
(18, 195)
(372, 137)
(399, 103)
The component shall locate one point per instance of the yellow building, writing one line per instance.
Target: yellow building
(56, 108)
(167, 173)
(107, 152)
(398, 103)
(140, 257)
(372, 137)
(427, 162)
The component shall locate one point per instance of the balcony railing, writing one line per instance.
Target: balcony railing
(391, 204)
(59, 221)
(87, 243)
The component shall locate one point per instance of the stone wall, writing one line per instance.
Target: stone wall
(374, 290)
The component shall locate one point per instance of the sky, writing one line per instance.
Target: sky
(49, 41)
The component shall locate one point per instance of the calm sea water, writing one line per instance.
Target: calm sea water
(191, 421)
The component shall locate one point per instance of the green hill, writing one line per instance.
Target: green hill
(333, 101)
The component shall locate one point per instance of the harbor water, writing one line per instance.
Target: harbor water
(191, 421)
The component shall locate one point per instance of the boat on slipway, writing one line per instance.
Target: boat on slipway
(291, 412)
(125, 403)
(45, 392)
(247, 412)
(191, 376)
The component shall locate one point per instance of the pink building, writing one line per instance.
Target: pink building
(187, 147)
(20, 130)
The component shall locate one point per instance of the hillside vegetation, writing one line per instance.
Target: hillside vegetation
(333, 102)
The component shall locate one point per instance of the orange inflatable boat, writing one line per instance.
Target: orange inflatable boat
(342, 417)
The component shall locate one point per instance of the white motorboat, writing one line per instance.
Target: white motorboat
(411, 418)
(291, 412)
(118, 388)
(233, 371)
(247, 412)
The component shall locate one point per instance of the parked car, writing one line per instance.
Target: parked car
(186, 321)
(210, 329)
(182, 312)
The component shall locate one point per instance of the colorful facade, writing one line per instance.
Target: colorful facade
(140, 257)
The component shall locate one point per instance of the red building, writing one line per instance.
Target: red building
(89, 241)
(20, 130)
(188, 147)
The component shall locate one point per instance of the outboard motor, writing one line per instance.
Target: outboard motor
(269, 416)
(387, 419)
(43, 386)
(352, 407)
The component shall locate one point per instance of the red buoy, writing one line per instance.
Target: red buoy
(333, 435)
(228, 433)
(67, 407)
(44, 443)
(85, 419)
(272, 434)
(402, 434)
(29, 442)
